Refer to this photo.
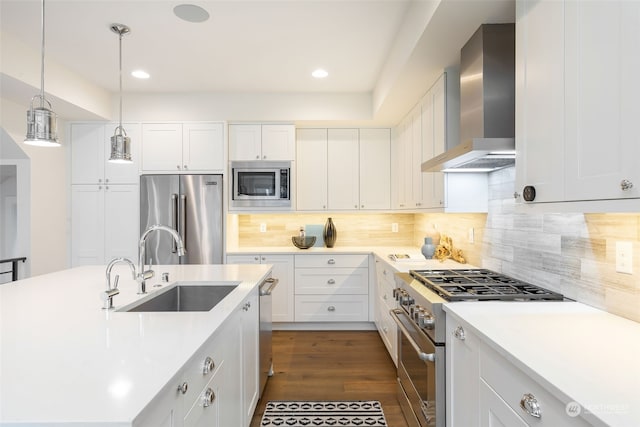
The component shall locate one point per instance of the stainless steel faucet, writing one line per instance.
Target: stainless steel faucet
(112, 291)
(143, 274)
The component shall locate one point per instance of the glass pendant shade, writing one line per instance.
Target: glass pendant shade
(120, 147)
(42, 128)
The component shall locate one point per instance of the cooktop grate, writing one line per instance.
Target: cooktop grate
(481, 284)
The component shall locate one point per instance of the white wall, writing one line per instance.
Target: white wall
(49, 193)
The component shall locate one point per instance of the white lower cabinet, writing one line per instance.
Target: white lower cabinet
(384, 302)
(218, 387)
(331, 288)
(282, 297)
(486, 389)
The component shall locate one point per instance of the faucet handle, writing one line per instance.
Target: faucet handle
(115, 281)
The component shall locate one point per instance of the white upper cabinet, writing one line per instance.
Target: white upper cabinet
(311, 170)
(375, 168)
(343, 169)
(90, 152)
(176, 147)
(576, 108)
(261, 142)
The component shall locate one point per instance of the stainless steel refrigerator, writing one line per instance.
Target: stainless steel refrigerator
(192, 205)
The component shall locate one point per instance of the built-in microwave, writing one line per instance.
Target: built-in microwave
(261, 184)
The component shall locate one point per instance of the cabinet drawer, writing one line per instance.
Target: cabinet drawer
(204, 411)
(340, 260)
(388, 330)
(331, 281)
(512, 384)
(332, 308)
(194, 373)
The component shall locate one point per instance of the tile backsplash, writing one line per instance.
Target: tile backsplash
(572, 253)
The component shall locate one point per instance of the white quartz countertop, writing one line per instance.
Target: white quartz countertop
(65, 360)
(584, 354)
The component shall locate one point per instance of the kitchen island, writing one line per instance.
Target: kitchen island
(66, 361)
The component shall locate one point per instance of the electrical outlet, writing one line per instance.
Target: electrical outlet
(624, 257)
(263, 227)
(471, 235)
(394, 227)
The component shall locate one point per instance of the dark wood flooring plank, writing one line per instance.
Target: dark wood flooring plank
(332, 365)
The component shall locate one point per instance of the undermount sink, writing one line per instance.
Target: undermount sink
(183, 296)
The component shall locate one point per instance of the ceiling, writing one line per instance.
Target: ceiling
(260, 46)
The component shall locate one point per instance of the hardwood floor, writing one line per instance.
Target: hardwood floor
(332, 365)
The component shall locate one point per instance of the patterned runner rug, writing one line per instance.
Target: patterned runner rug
(324, 414)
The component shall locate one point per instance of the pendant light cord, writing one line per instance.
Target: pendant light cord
(120, 50)
(42, 60)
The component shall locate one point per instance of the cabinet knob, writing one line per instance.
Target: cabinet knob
(516, 195)
(355, 206)
(331, 308)
(530, 405)
(106, 180)
(385, 329)
(331, 261)
(99, 187)
(529, 193)
(178, 167)
(331, 281)
(208, 365)
(257, 157)
(626, 185)
(384, 297)
(99, 179)
(361, 206)
(459, 333)
(264, 157)
(256, 258)
(183, 388)
(185, 167)
(208, 398)
(264, 259)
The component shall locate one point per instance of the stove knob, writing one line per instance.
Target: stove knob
(427, 321)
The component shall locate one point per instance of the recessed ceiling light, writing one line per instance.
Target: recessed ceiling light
(320, 73)
(140, 74)
(191, 13)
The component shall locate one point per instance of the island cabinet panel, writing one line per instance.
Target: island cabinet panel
(218, 387)
(282, 295)
(331, 288)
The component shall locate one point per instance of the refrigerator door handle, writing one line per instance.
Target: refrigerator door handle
(182, 231)
(174, 220)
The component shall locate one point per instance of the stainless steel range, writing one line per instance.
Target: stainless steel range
(421, 322)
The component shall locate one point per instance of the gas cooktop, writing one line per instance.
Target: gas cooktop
(481, 284)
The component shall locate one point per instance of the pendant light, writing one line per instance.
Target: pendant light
(120, 142)
(42, 128)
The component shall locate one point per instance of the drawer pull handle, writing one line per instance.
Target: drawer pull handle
(459, 333)
(208, 398)
(331, 282)
(208, 365)
(331, 308)
(331, 261)
(530, 405)
(183, 388)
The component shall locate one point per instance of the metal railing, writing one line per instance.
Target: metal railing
(14, 266)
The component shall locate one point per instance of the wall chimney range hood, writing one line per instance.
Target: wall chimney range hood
(487, 104)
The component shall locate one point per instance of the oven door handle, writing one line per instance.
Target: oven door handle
(426, 357)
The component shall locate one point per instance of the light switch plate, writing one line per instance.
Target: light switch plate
(394, 227)
(624, 257)
(471, 236)
(263, 227)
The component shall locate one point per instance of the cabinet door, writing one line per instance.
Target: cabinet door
(375, 169)
(122, 173)
(87, 153)
(311, 169)
(87, 225)
(601, 92)
(245, 142)
(414, 162)
(203, 147)
(161, 147)
(282, 299)
(343, 176)
(249, 350)
(494, 412)
(206, 413)
(463, 373)
(402, 173)
(540, 79)
(433, 139)
(121, 222)
(278, 142)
